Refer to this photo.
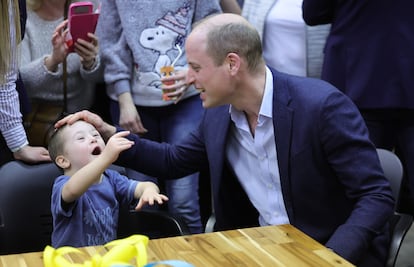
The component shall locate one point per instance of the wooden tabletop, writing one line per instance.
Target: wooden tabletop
(281, 245)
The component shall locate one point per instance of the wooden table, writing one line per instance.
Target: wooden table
(281, 245)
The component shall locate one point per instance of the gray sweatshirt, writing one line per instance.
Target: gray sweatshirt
(44, 85)
(138, 37)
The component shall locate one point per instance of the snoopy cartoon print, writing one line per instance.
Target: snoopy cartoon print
(168, 32)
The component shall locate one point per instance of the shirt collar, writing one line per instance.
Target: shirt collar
(267, 101)
(266, 106)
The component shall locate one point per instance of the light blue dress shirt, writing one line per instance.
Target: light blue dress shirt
(254, 160)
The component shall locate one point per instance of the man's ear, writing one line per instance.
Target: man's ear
(233, 61)
(62, 162)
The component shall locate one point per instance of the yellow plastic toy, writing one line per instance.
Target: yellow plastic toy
(121, 252)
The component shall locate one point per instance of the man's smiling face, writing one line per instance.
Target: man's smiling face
(211, 80)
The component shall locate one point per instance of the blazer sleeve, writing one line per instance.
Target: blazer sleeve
(169, 161)
(354, 160)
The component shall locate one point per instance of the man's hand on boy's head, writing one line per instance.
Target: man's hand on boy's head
(85, 115)
(116, 144)
(105, 129)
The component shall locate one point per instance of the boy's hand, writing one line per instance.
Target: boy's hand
(116, 144)
(150, 196)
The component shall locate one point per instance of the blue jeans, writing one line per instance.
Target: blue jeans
(170, 124)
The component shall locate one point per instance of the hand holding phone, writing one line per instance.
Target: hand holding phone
(82, 20)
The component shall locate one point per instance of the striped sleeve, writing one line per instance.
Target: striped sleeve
(11, 125)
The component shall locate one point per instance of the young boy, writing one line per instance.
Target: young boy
(87, 197)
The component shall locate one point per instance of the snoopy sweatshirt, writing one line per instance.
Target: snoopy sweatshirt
(138, 37)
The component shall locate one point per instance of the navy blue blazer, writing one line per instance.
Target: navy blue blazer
(369, 52)
(332, 182)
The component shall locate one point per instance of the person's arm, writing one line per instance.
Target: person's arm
(354, 160)
(59, 51)
(40, 73)
(170, 161)
(230, 6)
(87, 51)
(91, 67)
(11, 125)
(32, 154)
(81, 180)
(10, 117)
(112, 44)
(129, 118)
(316, 12)
(119, 64)
(148, 193)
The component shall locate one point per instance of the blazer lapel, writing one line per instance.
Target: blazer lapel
(218, 129)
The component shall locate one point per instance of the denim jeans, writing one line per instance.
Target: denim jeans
(170, 124)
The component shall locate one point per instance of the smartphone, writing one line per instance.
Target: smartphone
(79, 8)
(82, 19)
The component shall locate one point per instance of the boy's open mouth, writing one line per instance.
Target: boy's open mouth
(96, 151)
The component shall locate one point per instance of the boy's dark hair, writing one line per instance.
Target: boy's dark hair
(55, 145)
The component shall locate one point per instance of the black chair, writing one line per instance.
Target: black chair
(25, 217)
(152, 223)
(393, 170)
(211, 222)
(26, 222)
(400, 223)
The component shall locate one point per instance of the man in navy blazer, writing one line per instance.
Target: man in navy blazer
(369, 56)
(279, 148)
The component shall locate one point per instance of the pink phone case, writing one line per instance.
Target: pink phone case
(81, 21)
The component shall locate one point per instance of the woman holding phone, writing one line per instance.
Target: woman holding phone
(43, 52)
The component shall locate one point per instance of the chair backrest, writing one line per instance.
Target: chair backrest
(26, 222)
(152, 223)
(393, 171)
(25, 217)
(211, 222)
(400, 223)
